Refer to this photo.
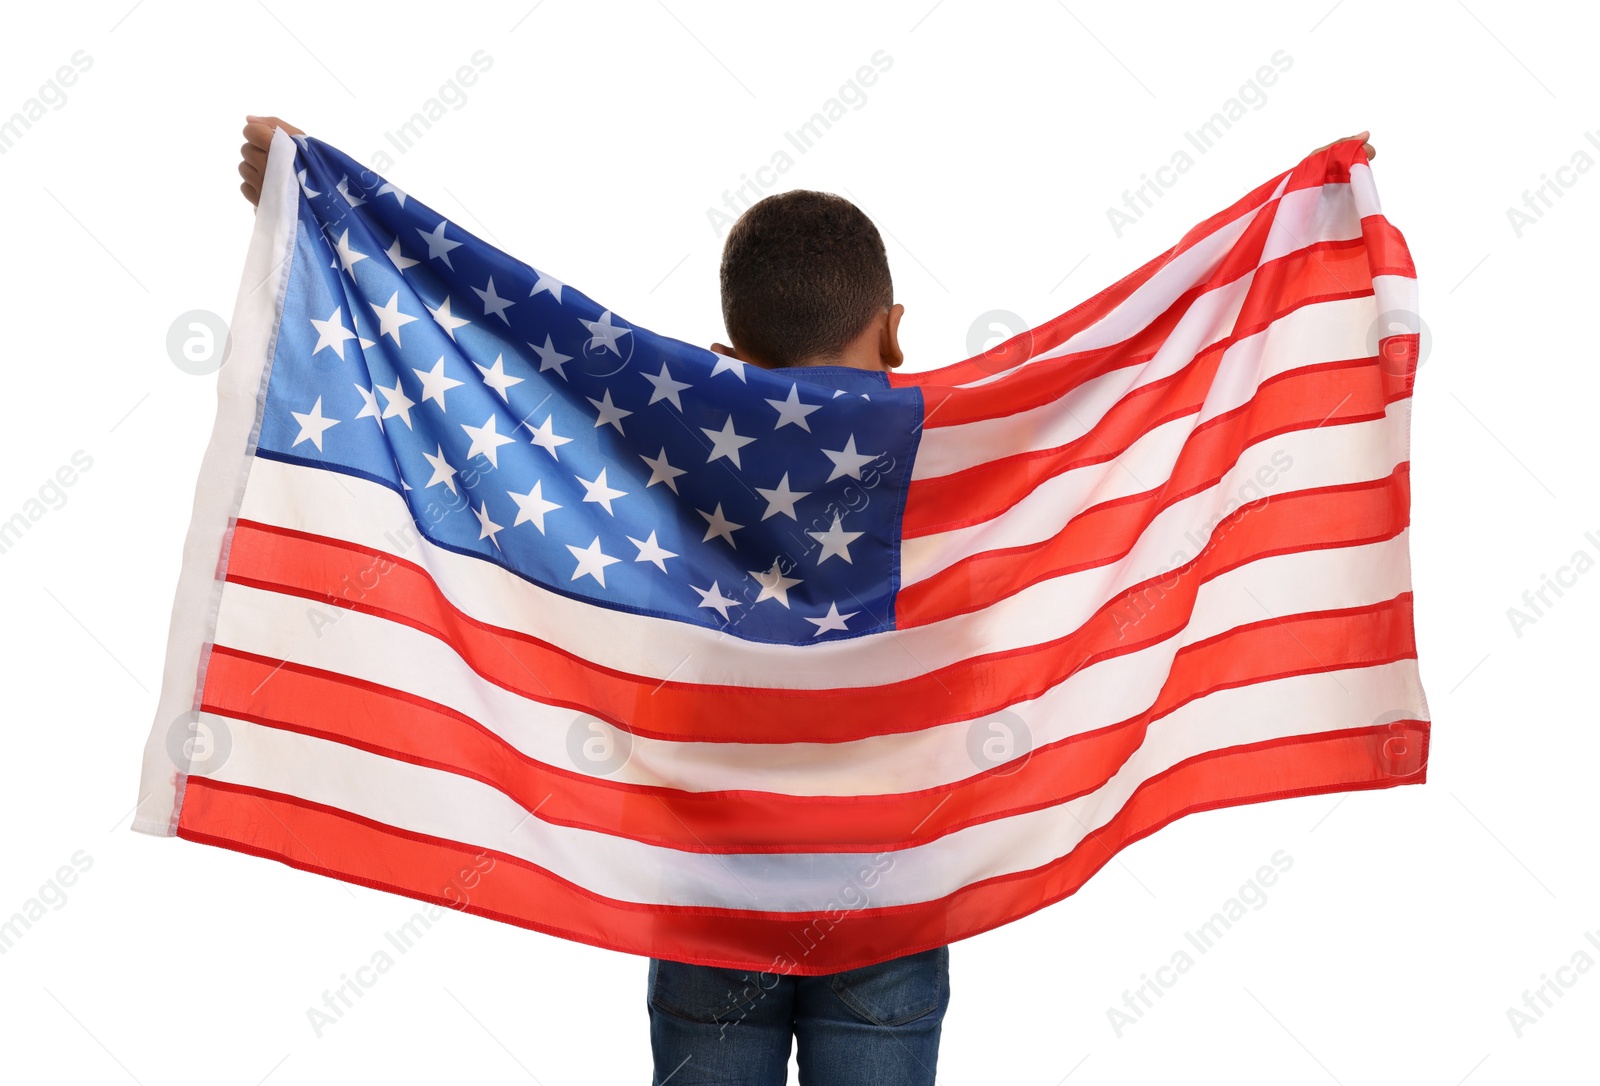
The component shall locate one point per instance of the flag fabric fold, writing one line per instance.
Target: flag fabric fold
(496, 600)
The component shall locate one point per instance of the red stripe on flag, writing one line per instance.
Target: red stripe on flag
(1387, 248)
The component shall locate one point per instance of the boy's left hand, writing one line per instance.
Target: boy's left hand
(1367, 147)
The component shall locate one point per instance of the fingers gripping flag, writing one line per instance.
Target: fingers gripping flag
(496, 600)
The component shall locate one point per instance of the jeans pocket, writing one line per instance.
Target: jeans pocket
(897, 991)
(702, 993)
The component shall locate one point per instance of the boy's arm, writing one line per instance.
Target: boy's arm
(253, 155)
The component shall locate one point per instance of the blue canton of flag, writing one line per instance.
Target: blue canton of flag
(530, 427)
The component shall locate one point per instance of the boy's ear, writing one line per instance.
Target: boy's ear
(889, 339)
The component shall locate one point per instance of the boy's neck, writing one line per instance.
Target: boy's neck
(847, 361)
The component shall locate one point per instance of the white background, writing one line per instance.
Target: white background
(1411, 920)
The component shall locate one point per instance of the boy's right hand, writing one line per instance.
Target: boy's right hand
(253, 155)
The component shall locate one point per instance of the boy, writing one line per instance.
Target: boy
(805, 287)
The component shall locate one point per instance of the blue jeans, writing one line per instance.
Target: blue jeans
(875, 1025)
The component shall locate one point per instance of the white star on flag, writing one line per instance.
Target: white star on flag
(399, 259)
(774, 585)
(390, 319)
(442, 471)
(369, 406)
(532, 506)
(713, 597)
(492, 302)
(495, 377)
(545, 436)
(835, 541)
(486, 527)
(547, 282)
(719, 525)
(662, 472)
(348, 257)
(609, 412)
(332, 333)
(435, 384)
(665, 387)
(486, 441)
(591, 561)
(847, 461)
(725, 442)
(833, 620)
(313, 425)
(438, 245)
(726, 363)
(781, 499)
(599, 492)
(792, 410)
(397, 403)
(651, 551)
(444, 319)
(603, 333)
(550, 358)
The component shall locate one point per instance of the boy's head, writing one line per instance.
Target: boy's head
(805, 281)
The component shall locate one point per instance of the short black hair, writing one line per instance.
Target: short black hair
(803, 272)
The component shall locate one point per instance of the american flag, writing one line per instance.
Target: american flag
(494, 599)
